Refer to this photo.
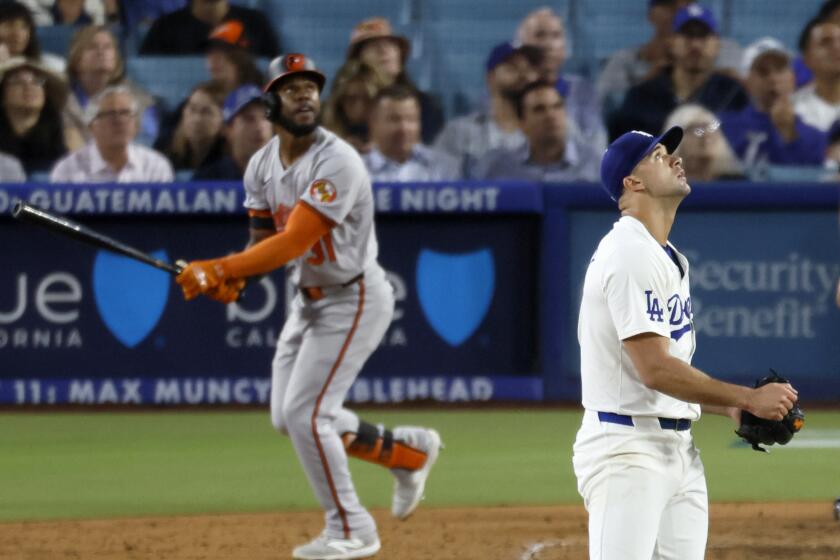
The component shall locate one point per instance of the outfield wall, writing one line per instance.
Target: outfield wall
(487, 277)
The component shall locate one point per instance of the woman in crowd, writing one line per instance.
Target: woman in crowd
(94, 63)
(198, 140)
(30, 123)
(18, 37)
(705, 153)
(374, 43)
(347, 109)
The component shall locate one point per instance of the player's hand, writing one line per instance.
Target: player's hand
(200, 277)
(773, 400)
(227, 291)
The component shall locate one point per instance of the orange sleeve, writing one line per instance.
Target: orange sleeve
(304, 228)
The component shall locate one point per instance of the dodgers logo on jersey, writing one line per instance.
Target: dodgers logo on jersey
(323, 191)
(455, 291)
(679, 312)
(130, 296)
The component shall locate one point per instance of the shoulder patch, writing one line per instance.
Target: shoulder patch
(322, 191)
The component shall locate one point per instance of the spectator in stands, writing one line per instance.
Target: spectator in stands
(94, 63)
(246, 130)
(398, 154)
(11, 171)
(705, 153)
(767, 131)
(18, 36)
(691, 79)
(197, 140)
(629, 67)
(73, 12)
(544, 29)
(818, 103)
(30, 119)
(228, 59)
(509, 69)
(112, 156)
(374, 43)
(555, 151)
(185, 31)
(347, 110)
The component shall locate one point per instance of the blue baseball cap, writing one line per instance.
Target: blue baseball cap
(238, 99)
(504, 51)
(695, 12)
(627, 151)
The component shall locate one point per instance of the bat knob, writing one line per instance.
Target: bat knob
(17, 209)
(181, 264)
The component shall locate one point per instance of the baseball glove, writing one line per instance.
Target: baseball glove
(755, 430)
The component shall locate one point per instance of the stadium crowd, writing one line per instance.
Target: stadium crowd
(750, 111)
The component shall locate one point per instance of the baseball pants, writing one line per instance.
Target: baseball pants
(320, 352)
(644, 488)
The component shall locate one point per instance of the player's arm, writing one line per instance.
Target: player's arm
(260, 226)
(662, 372)
(304, 228)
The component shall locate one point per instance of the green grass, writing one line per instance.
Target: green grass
(124, 464)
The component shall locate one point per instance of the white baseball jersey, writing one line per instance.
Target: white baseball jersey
(331, 178)
(631, 287)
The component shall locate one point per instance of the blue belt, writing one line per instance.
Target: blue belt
(678, 424)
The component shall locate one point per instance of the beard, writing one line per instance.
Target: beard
(295, 129)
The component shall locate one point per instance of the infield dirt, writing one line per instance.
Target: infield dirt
(765, 531)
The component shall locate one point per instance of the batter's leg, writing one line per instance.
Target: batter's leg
(288, 346)
(334, 347)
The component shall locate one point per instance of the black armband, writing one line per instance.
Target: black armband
(259, 222)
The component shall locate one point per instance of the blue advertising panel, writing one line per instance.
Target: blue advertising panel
(82, 325)
(763, 285)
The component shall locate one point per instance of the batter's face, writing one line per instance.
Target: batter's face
(662, 174)
(695, 48)
(300, 105)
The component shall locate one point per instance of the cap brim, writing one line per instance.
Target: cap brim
(671, 140)
(402, 42)
(319, 79)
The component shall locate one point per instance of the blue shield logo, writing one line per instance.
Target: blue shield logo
(130, 295)
(455, 291)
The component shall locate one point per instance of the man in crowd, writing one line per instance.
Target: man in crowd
(544, 29)
(818, 103)
(397, 153)
(767, 130)
(691, 79)
(112, 156)
(554, 151)
(185, 31)
(246, 131)
(468, 138)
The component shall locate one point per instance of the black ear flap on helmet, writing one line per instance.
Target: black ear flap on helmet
(272, 106)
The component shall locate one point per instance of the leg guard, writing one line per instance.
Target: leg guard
(377, 445)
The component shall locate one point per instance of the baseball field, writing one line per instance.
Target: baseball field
(222, 484)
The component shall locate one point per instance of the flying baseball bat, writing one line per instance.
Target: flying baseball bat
(63, 226)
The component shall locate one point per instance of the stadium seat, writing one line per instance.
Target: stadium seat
(337, 11)
(752, 19)
(469, 10)
(55, 38)
(169, 78)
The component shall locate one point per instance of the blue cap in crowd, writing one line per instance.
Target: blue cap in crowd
(695, 12)
(240, 98)
(504, 51)
(627, 151)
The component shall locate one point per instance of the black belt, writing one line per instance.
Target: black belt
(678, 424)
(317, 292)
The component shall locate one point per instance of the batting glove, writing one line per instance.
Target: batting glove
(201, 277)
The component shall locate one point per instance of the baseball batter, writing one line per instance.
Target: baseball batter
(637, 469)
(311, 208)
